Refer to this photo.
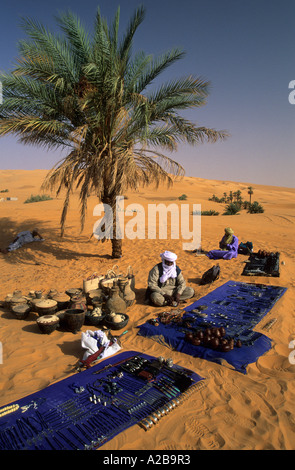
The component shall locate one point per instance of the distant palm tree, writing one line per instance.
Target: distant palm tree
(90, 96)
(250, 192)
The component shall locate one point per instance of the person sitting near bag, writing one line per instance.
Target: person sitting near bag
(228, 245)
(166, 284)
(22, 238)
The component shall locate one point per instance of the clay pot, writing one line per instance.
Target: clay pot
(231, 343)
(115, 303)
(126, 292)
(208, 332)
(238, 343)
(196, 341)
(216, 332)
(225, 348)
(207, 340)
(189, 336)
(223, 342)
(214, 343)
(222, 331)
(74, 319)
(200, 334)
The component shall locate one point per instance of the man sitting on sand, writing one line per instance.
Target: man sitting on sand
(166, 284)
(228, 245)
(22, 238)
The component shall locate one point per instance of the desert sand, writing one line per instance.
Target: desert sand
(233, 411)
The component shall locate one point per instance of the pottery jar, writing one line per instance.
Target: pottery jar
(115, 303)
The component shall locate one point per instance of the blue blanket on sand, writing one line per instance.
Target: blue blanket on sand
(238, 307)
(89, 408)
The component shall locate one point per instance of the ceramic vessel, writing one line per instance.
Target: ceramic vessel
(115, 303)
(125, 292)
(74, 319)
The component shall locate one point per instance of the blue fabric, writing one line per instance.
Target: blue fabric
(61, 417)
(237, 306)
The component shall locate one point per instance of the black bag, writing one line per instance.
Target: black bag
(211, 275)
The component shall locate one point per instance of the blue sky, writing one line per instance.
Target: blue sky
(245, 48)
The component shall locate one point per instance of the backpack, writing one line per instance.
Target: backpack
(211, 275)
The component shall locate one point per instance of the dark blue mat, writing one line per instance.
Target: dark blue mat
(89, 408)
(238, 307)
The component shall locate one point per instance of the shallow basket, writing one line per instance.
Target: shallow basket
(94, 320)
(116, 326)
(47, 323)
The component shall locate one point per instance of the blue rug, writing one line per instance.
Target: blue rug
(236, 306)
(84, 411)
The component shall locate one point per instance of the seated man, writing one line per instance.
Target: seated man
(22, 238)
(228, 245)
(166, 284)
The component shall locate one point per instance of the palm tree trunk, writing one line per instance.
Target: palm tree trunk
(116, 242)
(116, 248)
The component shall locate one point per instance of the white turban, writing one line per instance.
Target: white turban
(168, 271)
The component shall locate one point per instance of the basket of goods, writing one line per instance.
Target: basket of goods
(21, 311)
(116, 321)
(74, 319)
(94, 317)
(46, 307)
(47, 323)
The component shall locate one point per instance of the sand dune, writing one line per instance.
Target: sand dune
(234, 411)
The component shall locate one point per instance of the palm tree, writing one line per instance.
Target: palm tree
(94, 98)
(250, 192)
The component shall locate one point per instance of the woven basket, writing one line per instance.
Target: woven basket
(48, 323)
(21, 311)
